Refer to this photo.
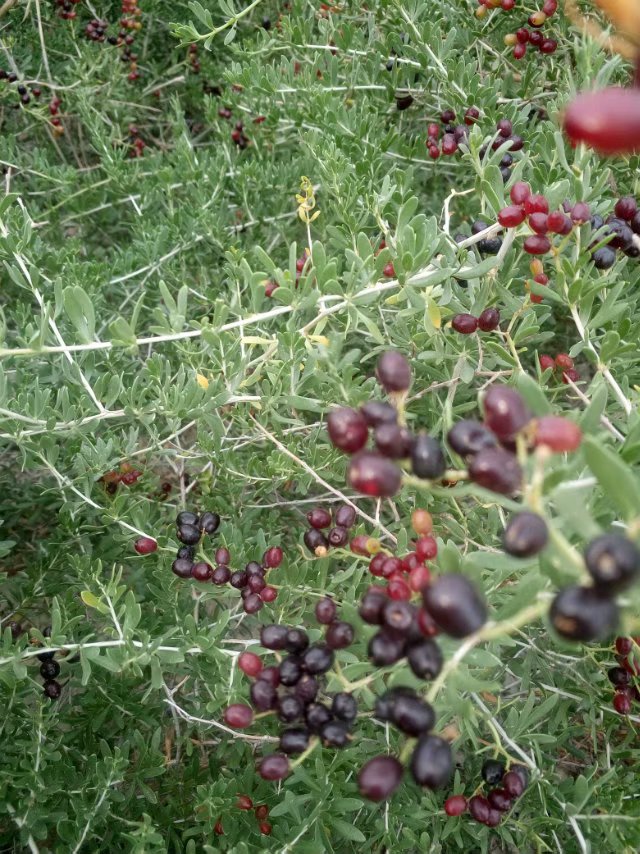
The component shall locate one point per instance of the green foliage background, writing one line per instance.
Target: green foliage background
(152, 269)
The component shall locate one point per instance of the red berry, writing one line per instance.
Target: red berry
(274, 767)
(519, 51)
(262, 812)
(522, 35)
(447, 116)
(479, 807)
(389, 270)
(380, 777)
(504, 128)
(250, 663)
(449, 144)
(621, 703)
(511, 216)
(536, 244)
(434, 152)
(348, 429)
(426, 548)
(393, 371)
(455, 805)
(489, 320)
(626, 208)
(272, 558)
(536, 204)
(376, 564)
(546, 363)
(265, 828)
(238, 716)
(624, 645)
(580, 213)
(465, 324)
(359, 544)
(372, 474)
(433, 129)
(218, 828)
(427, 625)
(145, 545)
(520, 192)
(392, 566)
(607, 120)
(550, 7)
(319, 518)
(564, 361)
(497, 470)
(513, 784)
(556, 221)
(536, 38)
(244, 802)
(505, 412)
(570, 376)
(418, 578)
(548, 46)
(539, 223)
(223, 557)
(471, 116)
(398, 589)
(268, 594)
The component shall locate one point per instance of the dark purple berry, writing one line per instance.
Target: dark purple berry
(274, 767)
(187, 518)
(497, 470)
(468, 437)
(316, 716)
(318, 659)
(505, 412)
(455, 604)
(525, 535)
(295, 740)
(274, 637)
(239, 579)
(432, 762)
(425, 658)
(348, 429)
(613, 562)
(182, 567)
(209, 522)
(393, 371)
(583, 614)
(319, 518)
(427, 458)
(344, 707)
(50, 669)
(289, 708)
(290, 670)
(385, 648)
(314, 539)
(52, 689)
(380, 777)
(412, 715)
(338, 537)
(372, 474)
(345, 515)
(325, 611)
(339, 635)
(297, 640)
(335, 734)
(393, 441)
(492, 771)
(221, 575)
(189, 534)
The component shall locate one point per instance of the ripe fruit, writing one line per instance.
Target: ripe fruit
(289, 708)
(393, 371)
(626, 207)
(455, 604)
(497, 470)
(262, 812)
(525, 535)
(325, 611)
(335, 734)
(186, 517)
(595, 119)
(622, 703)
(182, 567)
(412, 715)
(314, 540)
(223, 557)
(372, 474)
(536, 244)
(426, 548)
(479, 807)
(274, 637)
(221, 575)
(520, 192)
(319, 518)
(244, 802)
(145, 545)
(425, 658)
(618, 677)
(505, 412)
(468, 437)
(265, 828)
(250, 663)
(492, 771)
(385, 648)
(209, 522)
(455, 805)
(393, 441)
(339, 635)
(380, 777)
(189, 534)
(347, 429)
(431, 762)
(306, 689)
(295, 740)
(583, 614)
(272, 558)
(604, 258)
(556, 433)
(427, 458)
(345, 515)
(50, 669)
(398, 616)
(539, 222)
(318, 659)
(239, 579)
(465, 324)
(513, 785)
(201, 571)
(613, 562)
(489, 320)
(274, 767)
(375, 412)
(371, 608)
(624, 645)
(519, 51)
(238, 716)
(511, 216)
(344, 707)
(316, 716)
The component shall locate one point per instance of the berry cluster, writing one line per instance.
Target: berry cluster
(136, 143)
(23, 91)
(320, 519)
(625, 674)
(96, 30)
(56, 121)
(452, 134)
(49, 670)
(66, 10)
(562, 362)
(130, 26)
(127, 475)
(534, 38)
(504, 128)
(238, 137)
(245, 804)
(466, 324)
(250, 581)
(293, 687)
(620, 231)
(584, 613)
(485, 5)
(486, 246)
(488, 809)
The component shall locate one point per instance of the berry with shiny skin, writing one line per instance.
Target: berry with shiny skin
(380, 777)
(505, 412)
(512, 216)
(182, 567)
(525, 535)
(344, 707)
(272, 558)
(189, 534)
(427, 458)
(335, 734)
(290, 670)
(186, 552)
(622, 703)
(372, 474)
(455, 805)
(49, 670)
(393, 371)
(250, 664)
(297, 640)
(318, 659)
(375, 412)
(489, 320)
(274, 767)
(371, 608)
(497, 470)
(316, 716)
(604, 258)
(338, 537)
(500, 800)
(385, 648)
(398, 616)
(595, 118)
(201, 571)
(622, 235)
(468, 437)
(519, 193)
(238, 716)
(613, 562)
(425, 658)
(145, 545)
(244, 802)
(209, 522)
(294, 740)
(618, 677)
(221, 575)
(583, 614)
(222, 556)
(479, 807)
(426, 548)
(492, 771)
(513, 785)
(326, 611)
(315, 541)
(319, 518)
(345, 515)
(455, 604)
(626, 208)
(289, 708)
(239, 579)
(306, 689)
(536, 244)
(347, 429)
(274, 637)
(431, 762)
(558, 434)
(186, 517)
(339, 635)
(421, 521)
(465, 324)
(624, 645)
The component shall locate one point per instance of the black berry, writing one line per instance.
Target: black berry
(492, 771)
(468, 437)
(317, 659)
(427, 458)
(385, 648)
(431, 762)
(274, 637)
(49, 669)
(316, 716)
(182, 567)
(325, 611)
(583, 614)
(393, 371)
(335, 734)
(290, 670)
(613, 562)
(295, 740)
(209, 522)
(412, 715)
(52, 689)
(497, 470)
(525, 535)
(344, 707)
(425, 658)
(189, 534)
(455, 604)
(339, 635)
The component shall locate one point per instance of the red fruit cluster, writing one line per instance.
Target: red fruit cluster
(238, 137)
(66, 10)
(56, 121)
(245, 804)
(24, 93)
(535, 210)
(525, 38)
(339, 523)
(127, 476)
(488, 809)
(485, 6)
(452, 134)
(624, 677)
(562, 363)
(137, 144)
(96, 31)
(466, 324)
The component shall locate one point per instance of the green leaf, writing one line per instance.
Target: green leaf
(614, 476)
